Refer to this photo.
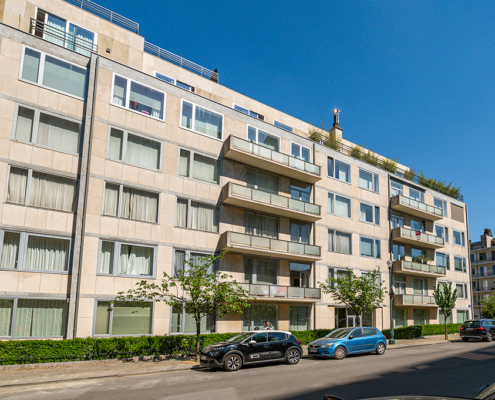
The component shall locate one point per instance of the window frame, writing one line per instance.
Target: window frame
(464, 264)
(194, 105)
(175, 81)
(463, 238)
(375, 208)
(279, 139)
(334, 161)
(376, 244)
(183, 323)
(256, 174)
(375, 179)
(191, 166)
(444, 205)
(255, 270)
(335, 238)
(447, 259)
(334, 200)
(41, 70)
(241, 109)
(300, 223)
(335, 273)
(187, 257)
(283, 126)
(301, 146)
(445, 230)
(464, 290)
(189, 200)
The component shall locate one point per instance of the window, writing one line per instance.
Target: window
(472, 257)
(260, 271)
(443, 232)
(397, 221)
(300, 232)
(299, 318)
(301, 152)
(421, 316)
(199, 167)
(441, 318)
(417, 225)
(260, 225)
(137, 97)
(263, 139)
(368, 180)
(47, 130)
(181, 257)
(370, 247)
(459, 238)
(482, 256)
(300, 191)
(399, 252)
(396, 188)
(255, 317)
(462, 316)
(123, 319)
(249, 112)
(130, 203)
(443, 260)
(461, 290)
(134, 149)
(261, 181)
(457, 212)
(399, 284)
(441, 204)
(369, 213)
(126, 259)
(417, 255)
(416, 195)
(175, 82)
(400, 317)
(299, 274)
(339, 205)
(420, 287)
(339, 242)
(460, 264)
(37, 189)
(195, 215)
(335, 273)
(201, 120)
(185, 323)
(53, 73)
(339, 170)
(283, 126)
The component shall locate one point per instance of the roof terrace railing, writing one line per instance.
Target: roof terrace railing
(107, 14)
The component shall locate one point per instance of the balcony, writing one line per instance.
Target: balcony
(416, 208)
(418, 269)
(259, 200)
(253, 154)
(258, 245)
(426, 240)
(277, 293)
(406, 300)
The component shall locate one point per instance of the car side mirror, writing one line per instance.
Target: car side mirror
(251, 342)
(351, 337)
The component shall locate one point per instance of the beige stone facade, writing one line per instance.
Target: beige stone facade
(482, 269)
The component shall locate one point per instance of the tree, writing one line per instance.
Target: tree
(195, 290)
(445, 299)
(488, 307)
(361, 294)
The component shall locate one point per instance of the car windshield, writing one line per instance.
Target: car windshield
(338, 333)
(471, 324)
(239, 338)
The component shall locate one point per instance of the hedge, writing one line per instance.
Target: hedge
(416, 331)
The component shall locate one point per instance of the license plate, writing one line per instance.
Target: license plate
(313, 351)
(203, 357)
(470, 329)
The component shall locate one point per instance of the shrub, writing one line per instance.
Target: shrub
(409, 174)
(371, 158)
(389, 165)
(416, 331)
(305, 337)
(357, 152)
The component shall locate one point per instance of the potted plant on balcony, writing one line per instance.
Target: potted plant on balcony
(422, 259)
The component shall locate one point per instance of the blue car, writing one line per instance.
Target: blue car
(343, 341)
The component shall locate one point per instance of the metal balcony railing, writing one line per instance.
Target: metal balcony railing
(261, 290)
(427, 268)
(418, 299)
(407, 201)
(424, 237)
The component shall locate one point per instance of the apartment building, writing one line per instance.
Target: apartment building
(482, 269)
(120, 160)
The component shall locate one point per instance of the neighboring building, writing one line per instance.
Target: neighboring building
(116, 164)
(482, 269)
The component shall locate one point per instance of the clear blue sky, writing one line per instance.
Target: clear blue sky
(413, 79)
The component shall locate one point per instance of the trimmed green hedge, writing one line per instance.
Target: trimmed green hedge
(305, 337)
(416, 331)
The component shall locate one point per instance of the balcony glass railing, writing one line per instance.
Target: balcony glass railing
(264, 152)
(432, 269)
(281, 291)
(274, 244)
(274, 199)
(407, 201)
(424, 237)
(418, 299)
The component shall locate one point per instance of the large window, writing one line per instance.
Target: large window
(399, 252)
(197, 166)
(369, 213)
(416, 195)
(339, 170)
(126, 259)
(134, 149)
(261, 225)
(195, 215)
(339, 242)
(181, 257)
(443, 260)
(400, 317)
(461, 290)
(368, 180)
(370, 247)
(123, 319)
(421, 316)
(299, 318)
(175, 82)
(420, 287)
(260, 271)
(47, 130)
(263, 138)
(249, 112)
(299, 274)
(262, 181)
(462, 316)
(201, 120)
(300, 232)
(138, 97)
(417, 225)
(130, 203)
(255, 316)
(459, 238)
(396, 188)
(443, 232)
(300, 151)
(182, 322)
(283, 126)
(336, 273)
(53, 73)
(339, 205)
(300, 191)
(441, 204)
(33, 188)
(28, 252)
(397, 220)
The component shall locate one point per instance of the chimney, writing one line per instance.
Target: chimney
(336, 131)
(486, 238)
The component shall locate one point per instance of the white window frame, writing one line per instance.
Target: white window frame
(375, 178)
(374, 222)
(401, 279)
(191, 166)
(464, 289)
(447, 259)
(194, 105)
(183, 323)
(334, 161)
(116, 259)
(336, 271)
(376, 244)
(334, 241)
(125, 136)
(187, 256)
(283, 126)
(301, 146)
(174, 81)
(463, 238)
(421, 194)
(128, 97)
(445, 230)
(424, 286)
(444, 205)
(301, 223)
(463, 266)
(266, 133)
(399, 191)
(246, 111)
(255, 270)
(332, 212)
(41, 70)
(189, 222)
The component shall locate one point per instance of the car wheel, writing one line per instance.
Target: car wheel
(465, 339)
(380, 349)
(293, 356)
(488, 337)
(340, 353)
(232, 363)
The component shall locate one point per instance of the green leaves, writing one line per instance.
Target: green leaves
(488, 307)
(445, 299)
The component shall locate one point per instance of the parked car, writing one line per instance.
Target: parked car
(478, 329)
(343, 341)
(253, 347)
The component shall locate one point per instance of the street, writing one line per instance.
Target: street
(451, 369)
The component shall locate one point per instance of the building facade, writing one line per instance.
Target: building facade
(117, 164)
(482, 269)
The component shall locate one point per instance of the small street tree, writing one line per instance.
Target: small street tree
(488, 307)
(445, 299)
(197, 289)
(361, 294)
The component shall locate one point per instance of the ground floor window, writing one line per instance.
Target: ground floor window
(185, 323)
(299, 318)
(441, 318)
(255, 317)
(346, 318)
(462, 316)
(123, 319)
(400, 317)
(421, 316)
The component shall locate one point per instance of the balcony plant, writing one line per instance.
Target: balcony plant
(445, 300)
(422, 259)
(409, 174)
(357, 152)
(389, 165)
(371, 158)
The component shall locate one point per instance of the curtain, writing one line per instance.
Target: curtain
(143, 152)
(248, 270)
(115, 144)
(146, 100)
(181, 213)
(187, 114)
(330, 203)
(206, 169)
(269, 227)
(102, 322)
(266, 272)
(400, 317)
(207, 324)
(111, 204)
(267, 183)
(24, 125)
(31, 65)
(119, 91)
(106, 257)
(180, 257)
(81, 40)
(140, 205)
(51, 191)
(204, 217)
(65, 77)
(10, 250)
(250, 223)
(331, 235)
(55, 30)
(184, 162)
(136, 260)
(176, 320)
(196, 259)
(365, 213)
(365, 180)
(47, 254)
(132, 319)
(342, 207)
(342, 171)
(16, 192)
(343, 243)
(59, 134)
(299, 317)
(262, 313)
(6, 307)
(208, 122)
(40, 318)
(417, 286)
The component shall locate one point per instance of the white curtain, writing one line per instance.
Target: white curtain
(47, 254)
(342, 172)
(187, 113)
(180, 257)
(204, 217)
(267, 183)
(342, 206)
(10, 250)
(115, 144)
(111, 205)
(331, 235)
(365, 180)
(106, 257)
(81, 40)
(208, 122)
(132, 319)
(24, 125)
(249, 223)
(143, 152)
(51, 191)
(140, 205)
(197, 261)
(59, 134)
(55, 30)
(343, 243)
(119, 91)
(102, 322)
(269, 227)
(6, 307)
(136, 260)
(207, 324)
(299, 317)
(184, 162)
(147, 100)
(181, 213)
(206, 169)
(16, 192)
(40, 318)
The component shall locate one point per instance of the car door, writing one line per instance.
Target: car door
(259, 351)
(278, 344)
(356, 343)
(369, 339)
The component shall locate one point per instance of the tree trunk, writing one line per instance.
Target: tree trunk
(198, 337)
(446, 334)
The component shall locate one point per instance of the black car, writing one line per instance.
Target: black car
(253, 347)
(478, 329)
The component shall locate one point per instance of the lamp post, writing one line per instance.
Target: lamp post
(391, 340)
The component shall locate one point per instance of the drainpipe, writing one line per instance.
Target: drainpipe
(469, 267)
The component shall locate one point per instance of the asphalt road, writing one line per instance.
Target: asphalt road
(452, 369)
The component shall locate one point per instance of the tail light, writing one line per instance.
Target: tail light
(462, 328)
(298, 342)
(479, 329)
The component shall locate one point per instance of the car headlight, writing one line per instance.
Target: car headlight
(215, 352)
(328, 345)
